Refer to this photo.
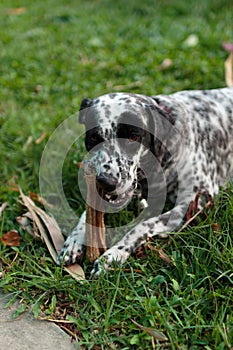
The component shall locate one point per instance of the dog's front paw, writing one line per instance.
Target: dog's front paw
(100, 266)
(106, 261)
(72, 251)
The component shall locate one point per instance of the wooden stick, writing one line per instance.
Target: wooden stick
(95, 229)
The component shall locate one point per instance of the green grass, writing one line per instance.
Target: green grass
(53, 55)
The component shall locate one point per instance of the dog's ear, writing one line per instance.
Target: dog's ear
(86, 102)
(162, 109)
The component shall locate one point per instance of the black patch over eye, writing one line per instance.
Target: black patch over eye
(133, 137)
(129, 132)
(92, 139)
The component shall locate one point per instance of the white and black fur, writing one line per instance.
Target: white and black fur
(183, 142)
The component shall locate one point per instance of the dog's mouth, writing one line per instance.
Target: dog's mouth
(119, 201)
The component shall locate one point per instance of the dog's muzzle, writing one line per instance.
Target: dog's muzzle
(107, 182)
(114, 177)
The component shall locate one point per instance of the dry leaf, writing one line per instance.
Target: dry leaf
(37, 88)
(216, 227)
(26, 222)
(228, 47)
(53, 229)
(152, 331)
(11, 184)
(228, 64)
(2, 207)
(191, 41)
(75, 271)
(16, 11)
(167, 63)
(39, 199)
(41, 138)
(228, 70)
(11, 239)
(80, 165)
(161, 254)
(28, 143)
(32, 209)
(193, 211)
(123, 87)
(48, 230)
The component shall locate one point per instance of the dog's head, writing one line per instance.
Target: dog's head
(118, 138)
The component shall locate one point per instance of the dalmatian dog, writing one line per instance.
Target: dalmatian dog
(159, 147)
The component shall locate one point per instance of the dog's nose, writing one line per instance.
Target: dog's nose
(107, 182)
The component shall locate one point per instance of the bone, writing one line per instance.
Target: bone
(95, 228)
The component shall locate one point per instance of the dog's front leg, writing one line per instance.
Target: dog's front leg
(74, 246)
(156, 226)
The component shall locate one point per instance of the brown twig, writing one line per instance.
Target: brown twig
(95, 229)
(207, 205)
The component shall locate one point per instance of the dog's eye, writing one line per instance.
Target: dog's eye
(134, 137)
(94, 138)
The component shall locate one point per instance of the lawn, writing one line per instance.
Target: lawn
(53, 54)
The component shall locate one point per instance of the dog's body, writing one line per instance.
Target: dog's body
(180, 144)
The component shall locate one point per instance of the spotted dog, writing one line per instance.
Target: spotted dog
(155, 147)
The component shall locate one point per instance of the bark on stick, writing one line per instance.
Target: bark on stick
(95, 229)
